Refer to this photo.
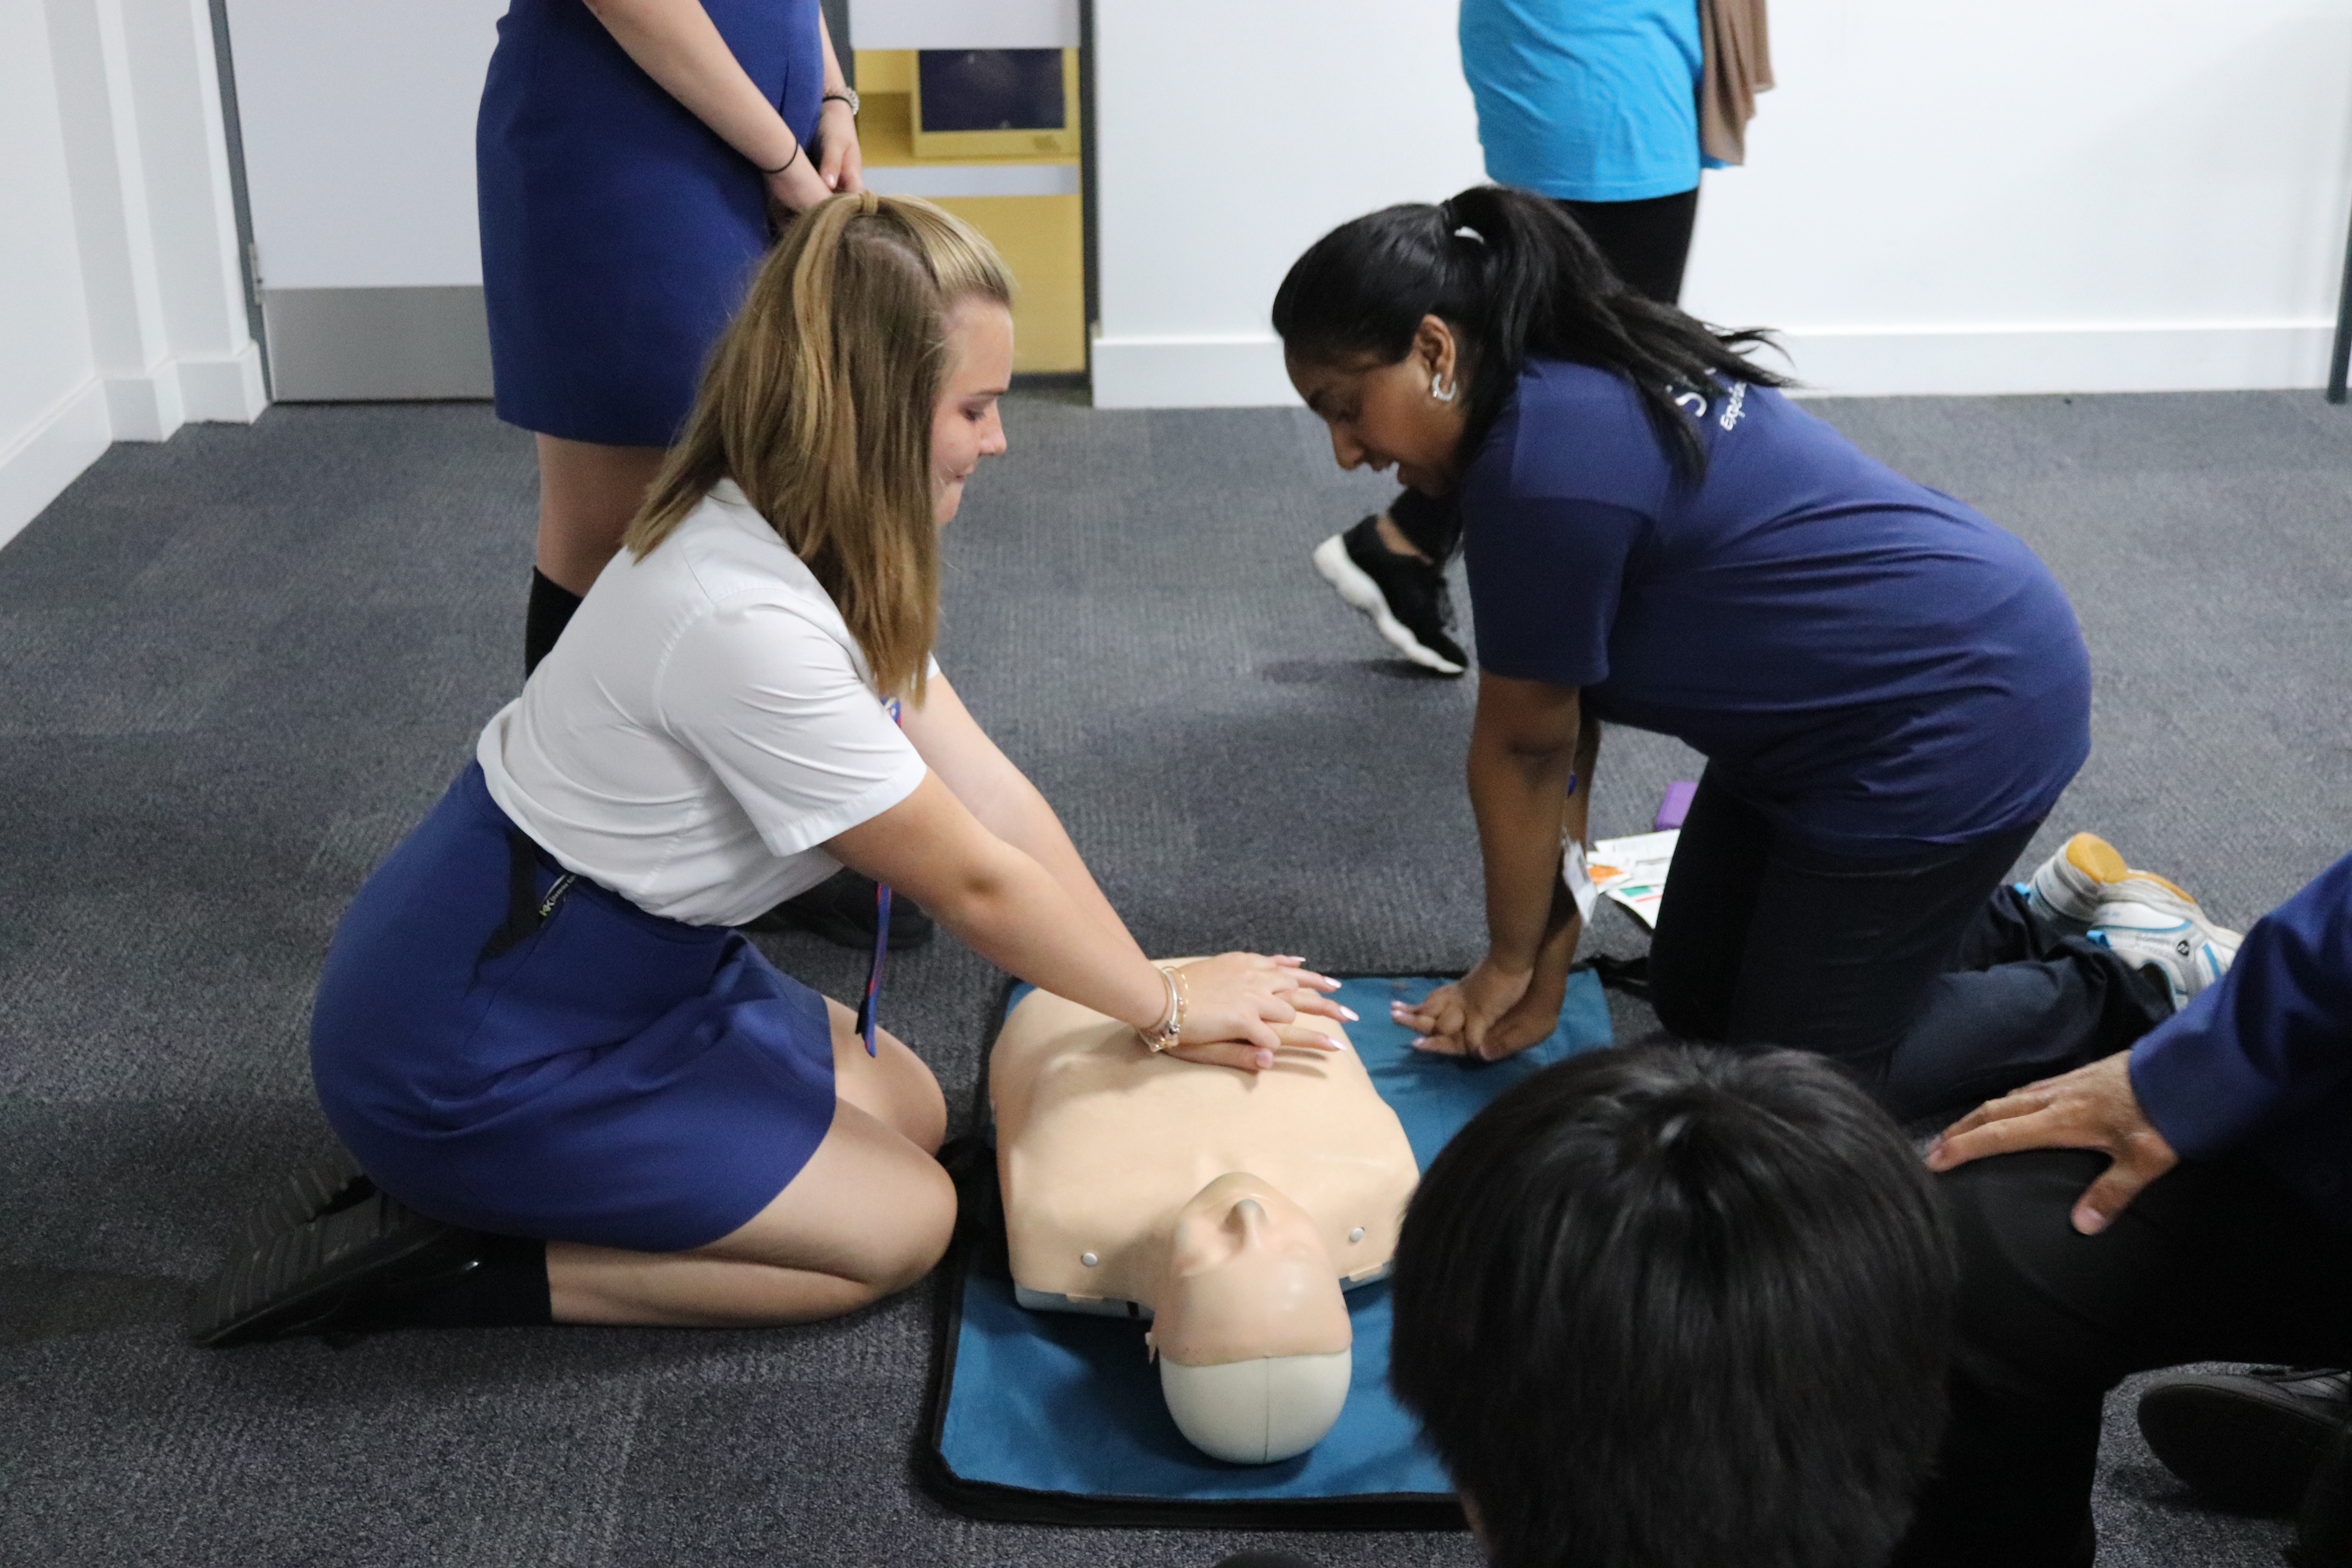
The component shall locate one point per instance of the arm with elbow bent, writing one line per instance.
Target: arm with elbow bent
(1527, 740)
(999, 871)
(676, 43)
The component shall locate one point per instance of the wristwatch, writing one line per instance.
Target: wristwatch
(847, 95)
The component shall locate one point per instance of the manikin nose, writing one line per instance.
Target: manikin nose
(1248, 1217)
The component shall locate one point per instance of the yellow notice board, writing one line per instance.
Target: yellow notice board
(1041, 237)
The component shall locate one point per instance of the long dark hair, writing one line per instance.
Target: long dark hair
(1514, 276)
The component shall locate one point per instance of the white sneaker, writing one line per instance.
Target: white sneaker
(2169, 933)
(2068, 889)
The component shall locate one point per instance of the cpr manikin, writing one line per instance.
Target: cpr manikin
(1230, 1208)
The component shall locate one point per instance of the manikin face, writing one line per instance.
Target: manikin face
(1248, 1276)
(964, 424)
(1384, 415)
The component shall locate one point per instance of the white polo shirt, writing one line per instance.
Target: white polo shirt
(704, 724)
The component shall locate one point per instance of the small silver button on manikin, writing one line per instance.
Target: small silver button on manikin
(1357, 1234)
(1088, 1258)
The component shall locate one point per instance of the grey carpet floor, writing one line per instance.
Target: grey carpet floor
(235, 667)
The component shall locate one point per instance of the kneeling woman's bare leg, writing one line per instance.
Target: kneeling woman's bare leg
(867, 1215)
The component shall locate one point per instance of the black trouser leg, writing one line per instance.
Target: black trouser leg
(1703, 921)
(2019, 1000)
(1647, 242)
(2214, 1261)
(1895, 967)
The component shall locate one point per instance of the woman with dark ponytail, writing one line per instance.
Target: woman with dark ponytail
(1891, 691)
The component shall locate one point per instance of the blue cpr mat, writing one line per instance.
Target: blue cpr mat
(1055, 1418)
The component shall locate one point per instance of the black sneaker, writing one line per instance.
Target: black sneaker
(2247, 1441)
(841, 909)
(1405, 595)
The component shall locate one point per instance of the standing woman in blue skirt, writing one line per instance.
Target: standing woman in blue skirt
(535, 1025)
(631, 158)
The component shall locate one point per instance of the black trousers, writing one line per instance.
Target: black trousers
(1648, 244)
(2213, 1261)
(1924, 976)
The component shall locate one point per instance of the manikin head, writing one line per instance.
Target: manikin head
(1250, 1326)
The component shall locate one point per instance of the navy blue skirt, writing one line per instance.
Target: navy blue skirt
(618, 233)
(602, 1075)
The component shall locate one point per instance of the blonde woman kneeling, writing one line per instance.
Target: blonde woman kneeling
(536, 1026)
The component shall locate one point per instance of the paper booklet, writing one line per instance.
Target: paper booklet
(1630, 871)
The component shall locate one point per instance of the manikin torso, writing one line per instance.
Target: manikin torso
(1229, 1207)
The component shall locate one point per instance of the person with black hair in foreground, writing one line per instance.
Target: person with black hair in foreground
(1673, 1307)
(2218, 1229)
(1890, 689)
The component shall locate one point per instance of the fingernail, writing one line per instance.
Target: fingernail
(2090, 1221)
(1337, 1043)
(1349, 1014)
(1264, 1059)
(1420, 1040)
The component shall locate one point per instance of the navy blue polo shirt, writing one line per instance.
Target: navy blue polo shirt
(1869, 663)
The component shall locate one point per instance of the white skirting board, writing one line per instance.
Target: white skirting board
(38, 464)
(41, 463)
(1246, 371)
(149, 406)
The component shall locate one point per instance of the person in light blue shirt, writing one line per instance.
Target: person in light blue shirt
(1593, 103)
(1586, 100)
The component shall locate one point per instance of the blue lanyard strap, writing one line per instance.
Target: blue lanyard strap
(874, 973)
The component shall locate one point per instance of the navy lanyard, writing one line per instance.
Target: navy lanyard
(881, 941)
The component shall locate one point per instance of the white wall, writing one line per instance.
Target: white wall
(122, 308)
(1229, 134)
(2011, 195)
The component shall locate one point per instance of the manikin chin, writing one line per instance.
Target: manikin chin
(1231, 1209)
